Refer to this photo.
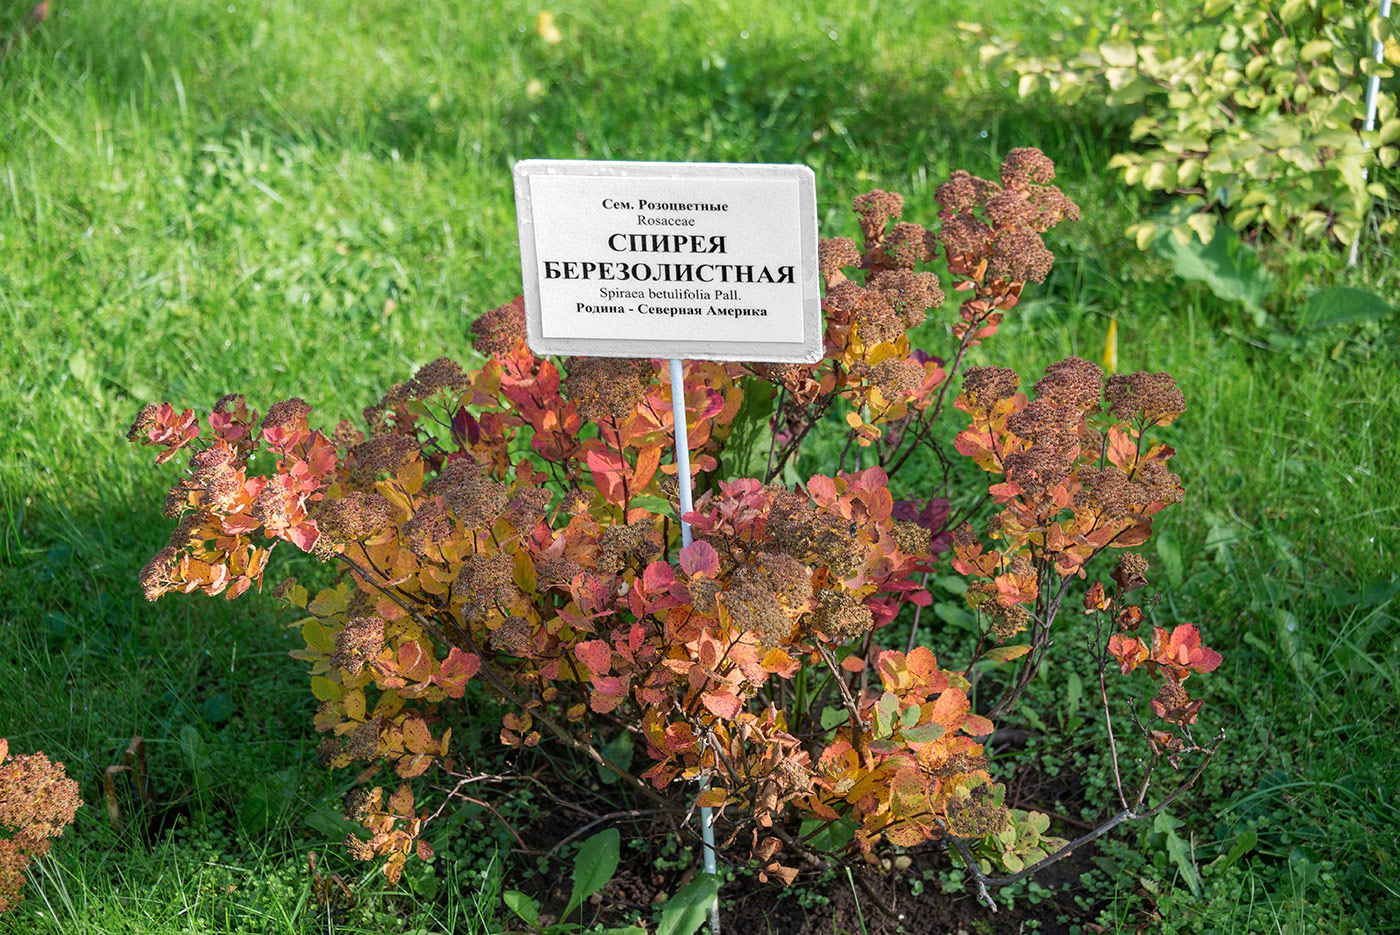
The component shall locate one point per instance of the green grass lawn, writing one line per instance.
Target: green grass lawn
(309, 197)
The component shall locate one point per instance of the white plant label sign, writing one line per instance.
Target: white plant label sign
(710, 261)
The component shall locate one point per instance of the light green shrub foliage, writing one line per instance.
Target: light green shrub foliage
(1246, 109)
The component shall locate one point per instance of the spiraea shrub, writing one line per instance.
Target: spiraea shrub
(37, 802)
(517, 524)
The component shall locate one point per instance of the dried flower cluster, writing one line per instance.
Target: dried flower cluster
(37, 802)
(516, 525)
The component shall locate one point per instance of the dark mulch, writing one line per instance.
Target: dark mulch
(817, 903)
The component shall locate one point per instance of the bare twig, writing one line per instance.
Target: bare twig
(985, 883)
(963, 345)
(1040, 645)
(918, 612)
(1100, 663)
(772, 436)
(611, 816)
(821, 862)
(852, 709)
(498, 685)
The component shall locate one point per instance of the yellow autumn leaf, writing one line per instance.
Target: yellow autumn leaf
(326, 690)
(355, 705)
(318, 637)
(1110, 347)
(544, 25)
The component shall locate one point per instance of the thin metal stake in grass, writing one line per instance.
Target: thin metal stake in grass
(707, 831)
(1373, 87)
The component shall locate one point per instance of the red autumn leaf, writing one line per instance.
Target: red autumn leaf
(780, 663)
(908, 833)
(1122, 449)
(414, 664)
(456, 670)
(974, 445)
(648, 460)
(596, 655)
(894, 671)
(1184, 651)
(658, 577)
(466, 431)
(1130, 618)
(401, 802)
(1128, 650)
(678, 738)
(822, 489)
(880, 503)
(977, 726)
(724, 704)
(1136, 534)
(699, 558)
(950, 709)
(303, 536)
(921, 663)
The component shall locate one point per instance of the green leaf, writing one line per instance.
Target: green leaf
(833, 717)
(1180, 854)
(216, 709)
(266, 801)
(1074, 692)
(80, 366)
(618, 750)
(333, 825)
(657, 505)
(1170, 553)
(1244, 843)
(955, 615)
(1119, 54)
(924, 733)
(746, 451)
(1229, 268)
(192, 745)
(523, 906)
(1341, 305)
(886, 714)
(686, 911)
(1006, 653)
(830, 838)
(954, 584)
(594, 866)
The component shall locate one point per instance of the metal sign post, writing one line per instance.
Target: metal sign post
(678, 261)
(707, 831)
(1373, 88)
